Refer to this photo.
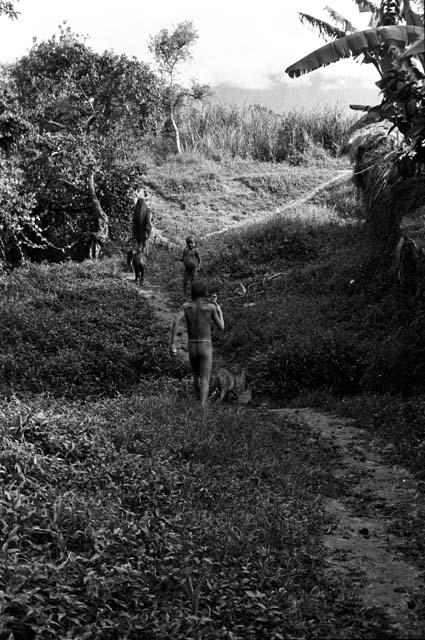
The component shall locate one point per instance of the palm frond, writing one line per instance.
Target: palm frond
(355, 44)
(326, 30)
(340, 21)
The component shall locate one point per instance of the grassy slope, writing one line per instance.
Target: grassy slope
(191, 195)
(114, 510)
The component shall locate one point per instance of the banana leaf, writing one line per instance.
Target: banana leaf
(355, 44)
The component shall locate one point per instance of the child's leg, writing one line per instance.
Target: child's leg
(205, 365)
(194, 363)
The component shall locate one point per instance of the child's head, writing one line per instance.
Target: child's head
(199, 289)
(190, 242)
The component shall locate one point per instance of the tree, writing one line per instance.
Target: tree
(18, 226)
(8, 9)
(86, 110)
(66, 85)
(170, 50)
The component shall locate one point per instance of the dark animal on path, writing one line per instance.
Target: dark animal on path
(142, 223)
(139, 267)
(136, 262)
(228, 385)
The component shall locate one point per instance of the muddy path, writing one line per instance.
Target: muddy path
(362, 542)
(162, 308)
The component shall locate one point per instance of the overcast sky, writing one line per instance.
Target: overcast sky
(243, 43)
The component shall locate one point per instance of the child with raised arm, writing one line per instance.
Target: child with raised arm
(191, 262)
(199, 314)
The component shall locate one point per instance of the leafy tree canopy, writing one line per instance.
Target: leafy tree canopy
(7, 8)
(64, 84)
(171, 49)
(68, 116)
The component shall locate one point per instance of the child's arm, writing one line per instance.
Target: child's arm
(217, 316)
(182, 258)
(199, 258)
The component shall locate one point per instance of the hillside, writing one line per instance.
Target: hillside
(127, 513)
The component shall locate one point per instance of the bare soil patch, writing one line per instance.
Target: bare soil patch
(361, 542)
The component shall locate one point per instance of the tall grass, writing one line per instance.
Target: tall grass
(256, 132)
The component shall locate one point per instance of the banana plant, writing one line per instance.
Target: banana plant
(394, 43)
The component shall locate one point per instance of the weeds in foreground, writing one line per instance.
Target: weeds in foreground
(188, 527)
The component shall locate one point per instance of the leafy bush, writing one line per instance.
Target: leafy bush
(398, 364)
(317, 362)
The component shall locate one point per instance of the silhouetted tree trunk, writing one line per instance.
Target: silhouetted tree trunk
(101, 235)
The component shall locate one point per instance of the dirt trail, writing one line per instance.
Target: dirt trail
(362, 538)
(161, 305)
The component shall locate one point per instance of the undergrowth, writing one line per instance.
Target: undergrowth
(135, 517)
(76, 331)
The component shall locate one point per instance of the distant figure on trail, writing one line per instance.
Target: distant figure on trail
(191, 262)
(199, 314)
(142, 222)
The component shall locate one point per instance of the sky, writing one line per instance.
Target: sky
(242, 43)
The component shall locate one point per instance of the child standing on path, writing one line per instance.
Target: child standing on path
(199, 315)
(191, 262)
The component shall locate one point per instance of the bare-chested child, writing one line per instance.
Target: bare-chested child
(191, 262)
(199, 314)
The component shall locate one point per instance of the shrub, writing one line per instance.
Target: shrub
(398, 363)
(309, 363)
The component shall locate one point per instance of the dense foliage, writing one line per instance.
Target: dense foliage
(66, 114)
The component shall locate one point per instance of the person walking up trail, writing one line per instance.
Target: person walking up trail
(191, 262)
(142, 222)
(199, 314)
